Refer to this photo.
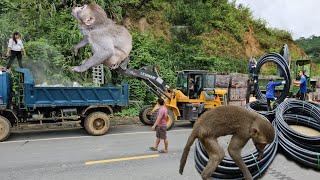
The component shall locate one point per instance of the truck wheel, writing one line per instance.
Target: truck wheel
(5, 127)
(145, 115)
(97, 123)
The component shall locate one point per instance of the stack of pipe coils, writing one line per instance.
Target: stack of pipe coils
(302, 148)
(285, 72)
(227, 169)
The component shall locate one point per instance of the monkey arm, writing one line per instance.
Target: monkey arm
(81, 44)
(235, 147)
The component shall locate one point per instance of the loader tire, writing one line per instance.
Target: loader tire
(145, 115)
(5, 128)
(97, 123)
(170, 119)
(148, 118)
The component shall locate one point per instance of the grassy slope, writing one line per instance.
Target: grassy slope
(311, 46)
(256, 40)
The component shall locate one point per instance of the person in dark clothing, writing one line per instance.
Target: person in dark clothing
(302, 84)
(252, 65)
(191, 88)
(15, 49)
(271, 91)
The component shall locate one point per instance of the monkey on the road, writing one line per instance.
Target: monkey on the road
(111, 43)
(239, 122)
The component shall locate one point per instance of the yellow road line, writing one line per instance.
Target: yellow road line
(122, 159)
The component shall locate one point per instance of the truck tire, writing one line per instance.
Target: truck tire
(5, 128)
(145, 116)
(97, 123)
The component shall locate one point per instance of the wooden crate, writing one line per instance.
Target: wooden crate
(237, 94)
(239, 80)
(237, 103)
(222, 81)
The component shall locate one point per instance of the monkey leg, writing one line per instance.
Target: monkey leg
(95, 60)
(215, 153)
(114, 61)
(234, 149)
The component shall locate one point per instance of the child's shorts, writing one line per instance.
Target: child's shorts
(161, 132)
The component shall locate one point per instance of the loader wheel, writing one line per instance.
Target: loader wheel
(148, 118)
(145, 115)
(170, 119)
(97, 123)
(5, 127)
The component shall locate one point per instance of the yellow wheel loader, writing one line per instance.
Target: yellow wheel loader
(194, 94)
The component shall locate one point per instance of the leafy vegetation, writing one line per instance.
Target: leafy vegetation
(214, 35)
(311, 46)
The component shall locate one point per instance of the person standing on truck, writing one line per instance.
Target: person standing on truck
(160, 126)
(302, 84)
(271, 91)
(15, 49)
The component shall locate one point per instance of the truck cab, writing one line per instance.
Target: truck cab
(23, 105)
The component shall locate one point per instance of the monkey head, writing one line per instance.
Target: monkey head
(89, 15)
(261, 133)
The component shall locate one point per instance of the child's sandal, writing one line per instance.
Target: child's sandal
(153, 149)
(163, 151)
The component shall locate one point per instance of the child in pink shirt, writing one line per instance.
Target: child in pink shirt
(160, 126)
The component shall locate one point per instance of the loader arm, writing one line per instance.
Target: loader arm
(150, 77)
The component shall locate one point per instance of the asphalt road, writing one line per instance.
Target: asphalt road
(121, 154)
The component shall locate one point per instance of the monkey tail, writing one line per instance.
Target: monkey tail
(186, 150)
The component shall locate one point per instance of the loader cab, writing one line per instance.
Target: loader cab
(193, 82)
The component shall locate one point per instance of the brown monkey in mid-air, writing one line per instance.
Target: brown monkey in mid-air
(111, 43)
(228, 120)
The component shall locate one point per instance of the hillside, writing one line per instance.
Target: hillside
(311, 46)
(182, 34)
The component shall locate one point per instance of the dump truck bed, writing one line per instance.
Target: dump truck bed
(77, 96)
(72, 96)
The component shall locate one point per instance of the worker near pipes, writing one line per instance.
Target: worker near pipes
(302, 84)
(270, 94)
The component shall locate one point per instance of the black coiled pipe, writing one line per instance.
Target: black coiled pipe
(282, 64)
(304, 149)
(262, 108)
(227, 169)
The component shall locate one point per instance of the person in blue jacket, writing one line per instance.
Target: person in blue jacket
(303, 85)
(271, 91)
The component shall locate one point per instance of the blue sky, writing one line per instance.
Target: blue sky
(300, 17)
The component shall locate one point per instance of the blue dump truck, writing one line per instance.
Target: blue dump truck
(55, 107)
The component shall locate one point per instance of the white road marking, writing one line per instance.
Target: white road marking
(81, 137)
